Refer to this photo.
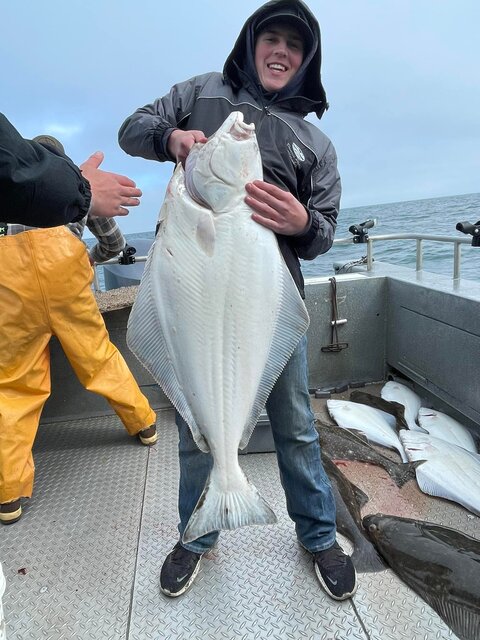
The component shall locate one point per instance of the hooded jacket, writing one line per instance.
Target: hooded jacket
(296, 155)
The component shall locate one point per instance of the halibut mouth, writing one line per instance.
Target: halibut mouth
(240, 130)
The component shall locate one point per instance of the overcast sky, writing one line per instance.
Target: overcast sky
(402, 78)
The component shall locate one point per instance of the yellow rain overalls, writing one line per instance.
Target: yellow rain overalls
(45, 290)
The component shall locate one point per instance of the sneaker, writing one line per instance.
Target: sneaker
(179, 571)
(10, 512)
(335, 572)
(148, 436)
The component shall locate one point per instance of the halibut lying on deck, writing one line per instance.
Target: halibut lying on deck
(449, 471)
(440, 564)
(217, 317)
(378, 426)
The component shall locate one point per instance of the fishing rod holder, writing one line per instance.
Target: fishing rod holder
(470, 229)
(128, 255)
(360, 231)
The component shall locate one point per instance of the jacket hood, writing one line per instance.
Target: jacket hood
(305, 90)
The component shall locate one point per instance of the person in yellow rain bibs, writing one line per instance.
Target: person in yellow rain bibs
(45, 290)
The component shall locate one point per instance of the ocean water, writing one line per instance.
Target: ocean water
(434, 216)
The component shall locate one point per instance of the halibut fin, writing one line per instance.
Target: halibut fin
(145, 338)
(292, 323)
(217, 510)
(465, 623)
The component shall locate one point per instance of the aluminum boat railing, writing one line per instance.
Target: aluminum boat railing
(419, 238)
(369, 240)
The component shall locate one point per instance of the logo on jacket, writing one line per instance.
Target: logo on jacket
(296, 154)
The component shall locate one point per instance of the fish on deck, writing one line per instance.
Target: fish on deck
(377, 425)
(394, 391)
(440, 564)
(395, 409)
(342, 444)
(446, 428)
(349, 499)
(448, 471)
(217, 316)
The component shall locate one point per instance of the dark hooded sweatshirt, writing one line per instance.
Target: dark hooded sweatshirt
(296, 155)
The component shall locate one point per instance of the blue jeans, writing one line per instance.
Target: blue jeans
(310, 501)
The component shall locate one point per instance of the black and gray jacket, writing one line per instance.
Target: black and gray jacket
(296, 155)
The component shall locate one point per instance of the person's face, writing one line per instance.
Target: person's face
(278, 56)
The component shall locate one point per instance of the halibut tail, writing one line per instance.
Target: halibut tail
(404, 472)
(365, 557)
(218, 509)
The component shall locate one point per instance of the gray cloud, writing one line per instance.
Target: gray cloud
(401, 78)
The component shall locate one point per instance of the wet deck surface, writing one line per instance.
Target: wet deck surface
(84, 560)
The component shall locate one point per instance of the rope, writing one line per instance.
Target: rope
(335, 346)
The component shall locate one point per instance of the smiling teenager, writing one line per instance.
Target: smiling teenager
(278, 55)
(273, 77)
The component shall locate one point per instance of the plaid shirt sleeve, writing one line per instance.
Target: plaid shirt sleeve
(110, 238)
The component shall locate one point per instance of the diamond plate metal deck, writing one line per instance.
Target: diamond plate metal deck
(84, 560)
(257, 583)
(69, 562)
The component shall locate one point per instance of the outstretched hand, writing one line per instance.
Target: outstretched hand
(275, 208)
(180, 142)
(111, 192)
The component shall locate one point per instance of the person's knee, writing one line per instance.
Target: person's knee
(296, 434)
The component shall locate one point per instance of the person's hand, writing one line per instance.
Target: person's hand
(111, 192)
(180, 142)
(275, 208)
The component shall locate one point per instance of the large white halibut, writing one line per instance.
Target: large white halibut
(445, 427)
(377, 425)
(394, 391)
(217, 317)
(449, 471)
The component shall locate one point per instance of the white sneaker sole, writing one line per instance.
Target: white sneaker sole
(187, 585)
(345, 596)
